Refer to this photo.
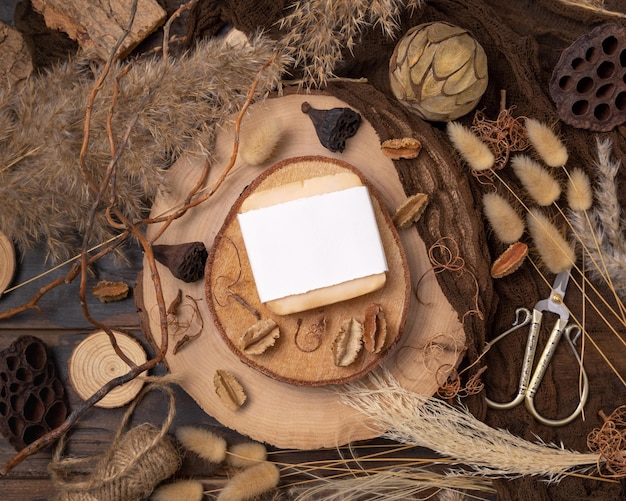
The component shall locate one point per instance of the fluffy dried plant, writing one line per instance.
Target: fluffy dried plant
(318, 33)
(601, 228)
(410, 418)
(176, 104)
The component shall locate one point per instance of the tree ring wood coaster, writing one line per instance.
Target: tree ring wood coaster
(7, 262)
(306, 351)
(278, 413)
(94, 363)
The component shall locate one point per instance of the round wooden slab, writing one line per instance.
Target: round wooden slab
(279, 413)
(303, 354)
(7, 262)
(94, 363)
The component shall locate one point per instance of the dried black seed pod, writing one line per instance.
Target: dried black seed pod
(186, 261)
(333, 126)
(33, 400)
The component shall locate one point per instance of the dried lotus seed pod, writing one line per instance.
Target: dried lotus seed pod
(439, 71)
(588, 83)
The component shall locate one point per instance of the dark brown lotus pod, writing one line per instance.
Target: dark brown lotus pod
(33, 400)
(333, 127)
(588, 83)
(186, 261)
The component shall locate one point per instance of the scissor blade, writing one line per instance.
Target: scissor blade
(554, 303)
(559, 285)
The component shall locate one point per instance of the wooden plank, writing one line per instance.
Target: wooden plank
(98, 24)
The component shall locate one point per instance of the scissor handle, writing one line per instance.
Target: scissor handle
(531, 348)
(542, 366)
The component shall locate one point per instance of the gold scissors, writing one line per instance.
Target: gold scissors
(529, 381)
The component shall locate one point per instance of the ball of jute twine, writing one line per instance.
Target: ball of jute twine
(129, 470)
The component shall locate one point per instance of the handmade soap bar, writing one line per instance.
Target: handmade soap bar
(313, 242)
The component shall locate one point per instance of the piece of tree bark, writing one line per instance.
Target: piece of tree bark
(98, 24)
(16, 62)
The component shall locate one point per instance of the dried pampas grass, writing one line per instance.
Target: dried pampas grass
(176, 104)
(412, 418)
(476, 153)
(251, 482)
(394, 485)
(546, 143)
(543, 188)
(556, 253)
(181, 490)
(318, 33)
(506, 223)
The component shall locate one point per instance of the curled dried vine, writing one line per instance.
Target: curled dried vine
(609, 441)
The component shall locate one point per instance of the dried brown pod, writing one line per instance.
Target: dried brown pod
(333, 127)
(410, 211)
(33, 400)
(186, 261)
(259, 337)
(587, 83)
(229, 390)
(374, 328)
(510, 260)
(406, 147)
(108, 292)
(347, 345)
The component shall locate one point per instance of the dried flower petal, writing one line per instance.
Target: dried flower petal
(229, 390)
(347, 345)
(259, 337)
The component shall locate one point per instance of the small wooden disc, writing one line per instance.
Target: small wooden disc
(303, 354)
(7, 262)
(94, 363)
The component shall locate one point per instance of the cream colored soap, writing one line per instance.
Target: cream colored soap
(340, 290)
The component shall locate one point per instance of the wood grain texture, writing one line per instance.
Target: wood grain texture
(278, 413)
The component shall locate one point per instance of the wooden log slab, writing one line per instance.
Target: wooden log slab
(276, 412)
(98, 24)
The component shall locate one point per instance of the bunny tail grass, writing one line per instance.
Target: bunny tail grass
(181, 490)
(546, 143)
(412, 418)
(556, 253)
(538, 182)
(476, 153)
(504, 220)
(579, 193)
(204, 443)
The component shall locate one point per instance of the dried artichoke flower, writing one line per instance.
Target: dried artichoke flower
(439, 71)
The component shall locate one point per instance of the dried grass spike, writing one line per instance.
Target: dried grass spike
(181, 490)
(203, 442)
(260, 143)
(504, 220)
(539, 183)
(246, 454)
(579, 194)
(250, 482)
(476, 153)
(546, 143)
(556, 253)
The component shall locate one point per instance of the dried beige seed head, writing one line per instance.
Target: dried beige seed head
(476, 153)
(557, 254)
(229, 390)
(259, 337)
(259, 144)
(203, 442)
(181, 490)
(246, 454)
(579, 193)
(347, 345)
(410, 211)
(510, 260)
(251, 482)
(374, 328)
(539, 183)
(546, 143)
(504, 220)
(407, 147)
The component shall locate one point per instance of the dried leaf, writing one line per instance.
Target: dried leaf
(510, 260)
(107, 292)
(229, 390)
(374, 328)
(259, 337)
(410, 211)
(407, 147)
(347, 345)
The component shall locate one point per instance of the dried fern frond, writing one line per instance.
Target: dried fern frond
(318, 32)
(419, 420)
(45, 197)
